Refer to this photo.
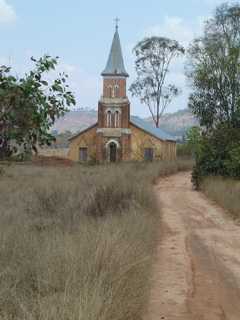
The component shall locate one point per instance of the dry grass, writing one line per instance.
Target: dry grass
(224, 191)
(78, 243)
(51, 152)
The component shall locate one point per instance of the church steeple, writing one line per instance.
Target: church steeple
(115, 74)
(115, 64)
(113, 133)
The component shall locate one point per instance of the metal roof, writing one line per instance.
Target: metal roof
(115, 64)
(156, 132)
(139, 123)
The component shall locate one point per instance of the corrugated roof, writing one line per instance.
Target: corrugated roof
(115, 64)
(141, 124)
(156, 132)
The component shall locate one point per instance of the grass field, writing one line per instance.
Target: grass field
(78, 242)
(224, 191)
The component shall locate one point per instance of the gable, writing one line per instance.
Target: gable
(78, 134)
(85, 139)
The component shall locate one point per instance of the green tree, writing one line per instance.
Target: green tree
(153, 58)
(214, 70)
(30, 105)
(194, 140)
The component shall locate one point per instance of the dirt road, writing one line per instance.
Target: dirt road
(197, 272)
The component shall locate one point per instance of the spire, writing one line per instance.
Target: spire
(117, 21)
(115, 64)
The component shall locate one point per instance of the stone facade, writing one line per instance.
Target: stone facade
(87, 139)
(141, 140)
(130, 147)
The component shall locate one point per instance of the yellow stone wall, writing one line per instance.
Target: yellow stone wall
(163, 150)
(85, 140)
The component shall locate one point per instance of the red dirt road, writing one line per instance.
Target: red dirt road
(197, 272)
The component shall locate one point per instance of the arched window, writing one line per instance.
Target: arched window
(109, 119)
(116, 91)
(117, 119)
(110, 91)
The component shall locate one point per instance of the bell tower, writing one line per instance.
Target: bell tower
(113, 133)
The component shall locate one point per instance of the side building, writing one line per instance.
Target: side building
(118, 136)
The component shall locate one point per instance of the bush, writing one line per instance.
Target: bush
(218, 154)
(233, 163)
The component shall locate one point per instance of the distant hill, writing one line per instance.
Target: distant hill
(174, 123)
(177, 123)
(75, 120)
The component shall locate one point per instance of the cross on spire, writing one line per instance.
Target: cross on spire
(117, 22)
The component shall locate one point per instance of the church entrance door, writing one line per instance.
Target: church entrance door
(113, 152)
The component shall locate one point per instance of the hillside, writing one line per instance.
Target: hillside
(174, 123)
(177, 123)
(76, 120)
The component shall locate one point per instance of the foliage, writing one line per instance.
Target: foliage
(194, 140)
(214, 71)
(218, 154)
(233, 163)
(153, 58)
(30, 105)
(191, 146)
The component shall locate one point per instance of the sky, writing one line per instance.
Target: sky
(80, 33)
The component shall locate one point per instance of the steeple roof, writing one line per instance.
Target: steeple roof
(115, 64)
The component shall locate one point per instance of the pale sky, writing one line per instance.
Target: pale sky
(81, 32)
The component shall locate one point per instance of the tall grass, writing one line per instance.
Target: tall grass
(224, 191)
(78, 243)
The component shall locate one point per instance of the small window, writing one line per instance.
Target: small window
(117, 119)
(83, 154)
(116, 91)
(110, 91)
(148, 154)
(109, 119)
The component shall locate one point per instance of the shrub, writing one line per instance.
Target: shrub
(233, 163)
(218, 154)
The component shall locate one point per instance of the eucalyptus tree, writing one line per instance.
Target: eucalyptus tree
(154, 56)
(214, 70)
(30, 105)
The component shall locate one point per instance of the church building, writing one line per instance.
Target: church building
(118, 136)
